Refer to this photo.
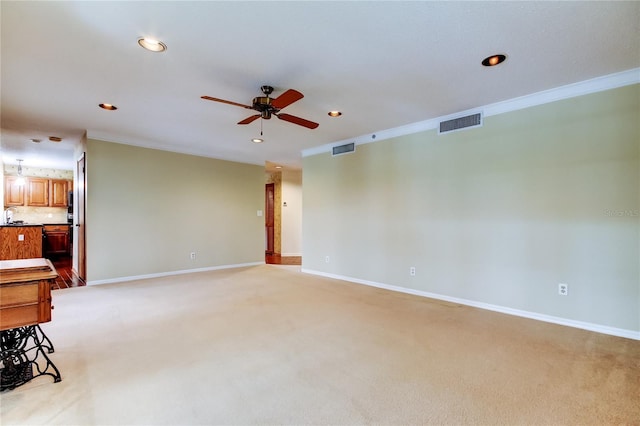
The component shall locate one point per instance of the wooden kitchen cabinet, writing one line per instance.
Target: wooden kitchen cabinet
(20, 242)
(56, 240)
(13, 193)
(58, 193)
(37, 192)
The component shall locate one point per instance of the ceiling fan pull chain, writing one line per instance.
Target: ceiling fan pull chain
(261, 120)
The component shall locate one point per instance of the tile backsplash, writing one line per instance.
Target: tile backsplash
(40, 214)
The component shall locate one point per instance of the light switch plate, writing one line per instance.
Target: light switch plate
(20, 237)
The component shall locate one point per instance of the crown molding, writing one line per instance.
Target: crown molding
(594, 85)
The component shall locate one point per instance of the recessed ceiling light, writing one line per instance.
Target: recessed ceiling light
(335, 113)
(278, 167)
(257, 140)
(152, 45)
(36, 140)
(493, 60)
(109, 107)
(55, 139)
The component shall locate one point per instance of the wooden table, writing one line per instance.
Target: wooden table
(25, 302)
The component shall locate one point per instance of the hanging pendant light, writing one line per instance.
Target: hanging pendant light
(21, 180)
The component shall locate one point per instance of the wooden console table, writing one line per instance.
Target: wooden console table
(25, 302)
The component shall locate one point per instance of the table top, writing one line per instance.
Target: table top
(21, 270)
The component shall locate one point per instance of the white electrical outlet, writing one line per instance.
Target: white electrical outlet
(563, 289)
(193, 255)
(326, 259)
(412, 271)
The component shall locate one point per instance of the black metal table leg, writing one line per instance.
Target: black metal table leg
(22, 350)
(43, 340)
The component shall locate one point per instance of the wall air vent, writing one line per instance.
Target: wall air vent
(344, 149)
(469, 121)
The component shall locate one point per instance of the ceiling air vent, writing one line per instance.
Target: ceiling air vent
(474, 120)
(344, 149)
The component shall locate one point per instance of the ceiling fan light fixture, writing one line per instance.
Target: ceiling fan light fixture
(257, 140)
(108, 107)
(493, 60)
(334, 113)
(152, 44)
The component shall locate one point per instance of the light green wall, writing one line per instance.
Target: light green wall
(147, 210)
(499, 214)
(291, 228)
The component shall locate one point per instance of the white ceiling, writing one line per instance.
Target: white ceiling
(383, 64)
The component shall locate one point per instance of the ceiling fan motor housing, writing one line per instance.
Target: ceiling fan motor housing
(262, 104)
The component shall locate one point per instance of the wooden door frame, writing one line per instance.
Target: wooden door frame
(269, 217)
(80, 194)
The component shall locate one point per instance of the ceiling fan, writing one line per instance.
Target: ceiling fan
(267, 107)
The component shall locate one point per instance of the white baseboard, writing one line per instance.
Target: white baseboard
(166, 274)
(620, 332)
(291, 254)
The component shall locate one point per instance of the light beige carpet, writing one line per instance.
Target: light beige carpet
(270, 345)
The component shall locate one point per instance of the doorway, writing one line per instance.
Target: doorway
(72, 268)
(80, 220)
(269, 218)
(282, 218)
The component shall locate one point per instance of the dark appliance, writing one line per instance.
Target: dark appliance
(70, 208)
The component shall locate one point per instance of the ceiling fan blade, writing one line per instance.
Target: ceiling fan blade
(209, 98)
(286, 99)
(297, 120)
(249, 119)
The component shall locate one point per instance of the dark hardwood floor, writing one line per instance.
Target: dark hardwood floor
(66, 277)
(276, 259)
